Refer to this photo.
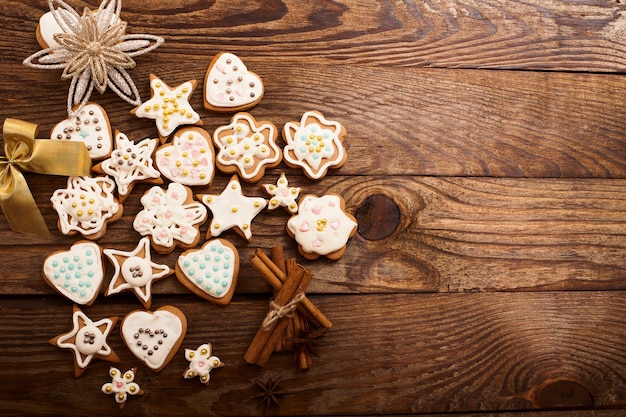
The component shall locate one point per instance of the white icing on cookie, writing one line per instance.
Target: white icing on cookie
(201, 363)
(90, 126)
(122, 385)
(233, 209)
(169, 107)
(249, 147)
(312, 143)
(189, 160)
(166, 217)
(130, 162)
(76, 274)
(321, 226)
(151, 336)
(211, 269)
(282, 194)
(228, 83)
(85, 205)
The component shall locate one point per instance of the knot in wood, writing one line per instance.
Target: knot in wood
(378, 217)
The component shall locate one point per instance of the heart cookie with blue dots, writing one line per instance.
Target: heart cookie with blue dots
(76, 274)
(211, 271)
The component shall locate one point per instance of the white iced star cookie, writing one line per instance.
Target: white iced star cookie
(170, 218)
(135, 271)
(122, 385)
(130, 163)
(232, 210)
(282, 195)
(201, 363)
(247, 147)
(86, 206)
(169, 107)
(87, 340)
(322, 227)
(314, 144)
(229, 86)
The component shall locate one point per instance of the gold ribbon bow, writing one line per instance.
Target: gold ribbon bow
(24, 152)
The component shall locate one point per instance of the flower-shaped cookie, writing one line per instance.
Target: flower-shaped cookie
(135, 271)
(122, 385)
(247, 147)
(232, 209)
(189, 159)
(229, 86)
(87, 340)
(170, 218)
(282, 195)
(322, 227)
(169, 107)
(130, 163)
(314, 144)
(86, 205)
(201, 363)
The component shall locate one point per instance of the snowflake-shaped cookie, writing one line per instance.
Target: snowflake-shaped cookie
(247, 147)
(170, 217)
(232, 209)
(86, 205)
(87, 340)
(122, 385)
(129, 163)
(282, 194)
(135, 271)
(169, 107)
(201, 363)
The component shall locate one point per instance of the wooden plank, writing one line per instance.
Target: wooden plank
(386, 354)
(534, 34)
(448, 235)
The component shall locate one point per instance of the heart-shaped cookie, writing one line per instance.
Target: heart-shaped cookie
(90, 126)
(76, 274)
(154, 336)
(211, 271)
(189, 159)
(229, 86)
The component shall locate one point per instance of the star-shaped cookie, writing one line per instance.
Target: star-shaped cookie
(231, 209)
(169, 107)
(87, 340)
(135, 271)
(282, 194)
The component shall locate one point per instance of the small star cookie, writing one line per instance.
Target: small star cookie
(135, 271)
(87, 340)
(122, 385)
(169, 107)
(232, 209)
(201, 363)
(282, 195)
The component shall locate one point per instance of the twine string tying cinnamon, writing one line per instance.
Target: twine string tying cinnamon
(278, 312)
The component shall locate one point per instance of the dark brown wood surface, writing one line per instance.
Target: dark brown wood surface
(486, 168)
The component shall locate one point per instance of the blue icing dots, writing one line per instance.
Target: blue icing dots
(210, 269)
(75, 270)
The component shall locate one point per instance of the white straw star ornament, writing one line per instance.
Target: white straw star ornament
(94, 52)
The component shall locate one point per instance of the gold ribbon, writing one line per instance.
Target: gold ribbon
(25, 153)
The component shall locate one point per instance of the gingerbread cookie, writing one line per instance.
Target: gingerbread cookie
(189, 159)
(87, 340)
(77, 274)
(154, 337)
(135, 271)
(211, 271)
(91, 126)
(170, 218)
(282, 195)
(86, 206)
(247, 147)
(232, 210)
(229, 86)
(169, 107)
(314, 144)
(322, 227)
(201, 363)
(130, 163)
(122, 385)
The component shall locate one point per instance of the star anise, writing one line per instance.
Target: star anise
(306, 343)
(270, 395)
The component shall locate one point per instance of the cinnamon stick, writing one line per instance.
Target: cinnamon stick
(278, 257)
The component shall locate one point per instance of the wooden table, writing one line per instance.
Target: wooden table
(486, 168)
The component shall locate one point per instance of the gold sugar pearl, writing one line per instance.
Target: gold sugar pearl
(196, 163)
(204, 351)
(229, 141)
(109, 389)
(82, 196)
(257, 204)
(158, 85)
(234, 209)
(263, 150)
(189, 115)
(126, 157)
(246, 147)
(128, 376)
(74, 205)
(182, 112)
(232, 152)
(167, 154)
(209, 199)
(274, 203)
(202, 176)
(80, 213)
(179, 95)
(120, 396)
(281, 181)
(185, 90)
(90, 212)
(147, 108)
(216, 363)
(216, 226)
(161, 93)
(272, 187)
(292, 206)
(204, 378)
(202, 150)
(178, 164)
(245, 226)
(192, 354)
(133, 388)
(294, 191)
(185, 154)
(239, 129)
(190, 374)
(234, 186)
(185, 173)
(113, 372)
(156, 107)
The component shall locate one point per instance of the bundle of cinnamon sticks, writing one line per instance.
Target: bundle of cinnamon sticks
(292, 317)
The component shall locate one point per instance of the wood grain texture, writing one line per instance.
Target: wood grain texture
(388, 354)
